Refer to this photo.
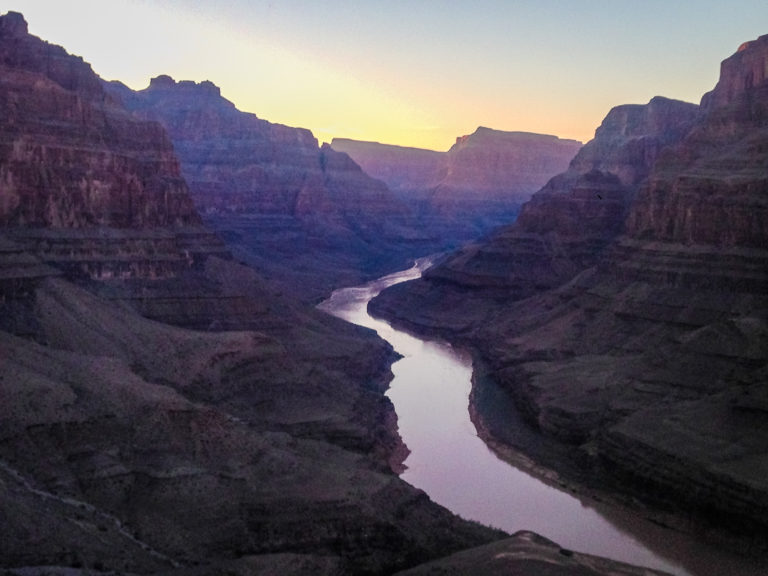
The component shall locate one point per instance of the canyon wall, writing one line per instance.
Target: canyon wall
(299, 212)
(84, 184)
(625, 311)
(130, 443)
(565, 226)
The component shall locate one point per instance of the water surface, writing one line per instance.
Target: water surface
(430, 392)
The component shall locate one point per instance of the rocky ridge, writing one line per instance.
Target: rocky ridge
(478, 184)
(649, 354)
(299, 212)
(566, 224)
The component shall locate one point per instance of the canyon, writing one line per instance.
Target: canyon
(173, 403)
(477, 185)
(168, 409)
(623, 315)
(165, 408)
(299, 213)
(315, 217)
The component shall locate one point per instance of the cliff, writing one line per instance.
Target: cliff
(710, 190)
(407, 171)
(304, 214)
(645, 352)
(475, 186)
(84, 185)
(565, 226)
(496, 166)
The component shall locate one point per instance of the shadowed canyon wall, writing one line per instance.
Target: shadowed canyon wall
(299, 212)
(135, 446)
(625, 311)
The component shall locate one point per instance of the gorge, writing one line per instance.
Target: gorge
(174, 403)
(638, 346)
(453, 465)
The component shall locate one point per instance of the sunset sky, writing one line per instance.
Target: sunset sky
(414, 73)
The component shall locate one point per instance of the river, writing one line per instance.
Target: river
(430, 392)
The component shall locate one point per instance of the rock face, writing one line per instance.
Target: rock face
(293, 209)
(407, 171)
(492, 165)
(478, 184)
(565, 225)
(649, 353)
(132, 446)
(83, 181)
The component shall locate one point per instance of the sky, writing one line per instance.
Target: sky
(413, 73)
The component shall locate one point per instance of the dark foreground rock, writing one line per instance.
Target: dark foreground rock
(639, 342)
(526, 553)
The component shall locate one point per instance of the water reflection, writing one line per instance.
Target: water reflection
(449, 462)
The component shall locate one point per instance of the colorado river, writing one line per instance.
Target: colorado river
(456, 469)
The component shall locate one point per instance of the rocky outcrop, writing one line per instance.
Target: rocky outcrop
(475, 186)
(566, 225)
(650, 354)
(486, 166)
(302, 213)
(502, 167)
(85, 185)
(710, 190)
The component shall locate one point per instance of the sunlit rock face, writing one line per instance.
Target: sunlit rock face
(493, 165)
(84, 184)
(625, 311)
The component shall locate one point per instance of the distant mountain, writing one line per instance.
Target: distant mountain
(407, 171)
(497, 166)
(625, 313)
(302, 213)
(478, 184)
(565, 225)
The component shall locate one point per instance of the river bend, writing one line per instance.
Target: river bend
(447, 459)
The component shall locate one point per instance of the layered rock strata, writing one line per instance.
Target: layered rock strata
(132, 446)
(649, 354)
(84, 184)
(478, 184)
(301, 213)
(565, 225)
